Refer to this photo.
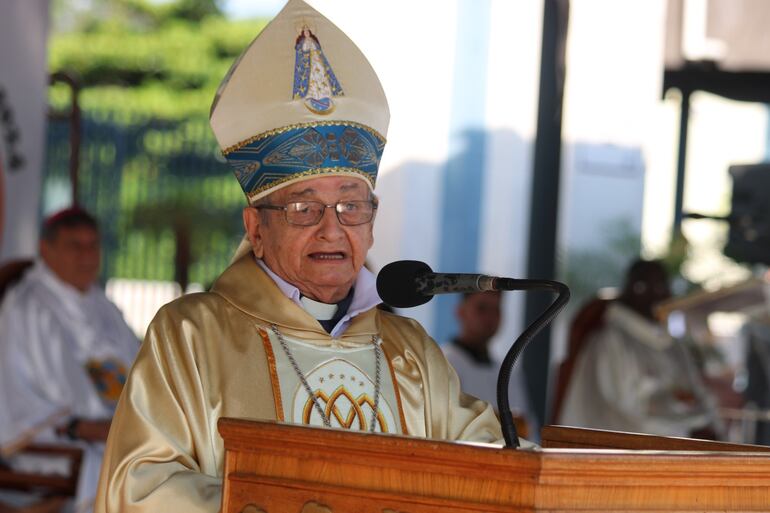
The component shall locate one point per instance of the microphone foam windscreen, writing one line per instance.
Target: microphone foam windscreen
(397, 283)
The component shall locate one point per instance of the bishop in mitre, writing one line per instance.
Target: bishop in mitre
(290, 331)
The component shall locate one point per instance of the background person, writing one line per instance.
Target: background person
(64, 345)
(632, 375)
(479, 315)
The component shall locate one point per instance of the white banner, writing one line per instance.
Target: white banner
(23, 105)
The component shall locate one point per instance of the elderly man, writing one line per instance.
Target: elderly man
(289, 331)
(64, 346)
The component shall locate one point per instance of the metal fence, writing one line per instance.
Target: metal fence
(168, 206)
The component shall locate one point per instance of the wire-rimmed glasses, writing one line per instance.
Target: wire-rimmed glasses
(309, 213)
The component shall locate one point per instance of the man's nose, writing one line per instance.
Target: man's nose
(330, 227)
(88, 250)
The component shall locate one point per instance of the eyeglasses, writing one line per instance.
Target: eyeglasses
(309, 213)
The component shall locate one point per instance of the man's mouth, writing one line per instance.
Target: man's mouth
(337, 255)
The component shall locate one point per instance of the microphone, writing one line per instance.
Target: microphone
(408, 283)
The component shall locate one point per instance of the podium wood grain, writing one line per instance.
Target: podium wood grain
(278, 468)
(565, 437)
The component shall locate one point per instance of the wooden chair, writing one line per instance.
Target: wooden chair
(52, 505)
(54, 490)
(589, 318)
(11, 272)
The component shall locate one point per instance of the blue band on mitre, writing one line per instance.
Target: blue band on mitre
(318, 148)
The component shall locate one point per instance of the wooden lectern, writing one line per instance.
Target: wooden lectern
(279, 468)
(567, 437)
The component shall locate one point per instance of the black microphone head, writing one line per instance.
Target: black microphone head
(397, 283)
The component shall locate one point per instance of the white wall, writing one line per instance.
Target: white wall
(24, 80)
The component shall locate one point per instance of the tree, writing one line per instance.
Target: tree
(150, 166)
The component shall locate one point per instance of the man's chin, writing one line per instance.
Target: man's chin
(329, 290)
(85, 283)
(82, 287)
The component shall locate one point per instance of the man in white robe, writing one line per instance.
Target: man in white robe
(632, 376)
(64, 347)
(479, 316)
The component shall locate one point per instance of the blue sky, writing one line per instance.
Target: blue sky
(252, 8)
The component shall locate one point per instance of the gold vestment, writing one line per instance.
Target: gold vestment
(204, 358)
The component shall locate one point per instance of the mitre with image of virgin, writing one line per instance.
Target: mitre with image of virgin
(301, 102)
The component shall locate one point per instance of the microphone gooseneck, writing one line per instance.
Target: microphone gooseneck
(506, 368)
(408, 283)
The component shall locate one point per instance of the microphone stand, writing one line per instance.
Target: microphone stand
(504, 377)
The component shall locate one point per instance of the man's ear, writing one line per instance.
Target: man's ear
(252, 222)
(46, 251)
(461, 310)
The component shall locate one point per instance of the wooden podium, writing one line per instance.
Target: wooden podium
(280, 468)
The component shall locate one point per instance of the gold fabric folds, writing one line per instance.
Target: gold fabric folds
(204, 358)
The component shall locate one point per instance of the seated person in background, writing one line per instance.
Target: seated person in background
(479, 314)
(64, 345)
(632, 375)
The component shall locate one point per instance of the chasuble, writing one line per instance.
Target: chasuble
(217, 354)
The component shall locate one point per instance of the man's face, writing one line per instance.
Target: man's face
(73, 255)
(323, 260)
(479, 316)
(646, 290)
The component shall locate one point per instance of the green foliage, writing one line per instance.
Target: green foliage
(164, 60)
(590, 270)
(150, 167)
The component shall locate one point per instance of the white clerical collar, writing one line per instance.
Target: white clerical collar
(321, 311)
(365, 295)
(69, 298)
(63, 289)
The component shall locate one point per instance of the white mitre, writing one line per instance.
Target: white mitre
(302, 101)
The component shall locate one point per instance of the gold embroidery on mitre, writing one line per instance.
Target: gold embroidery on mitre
(251, 196)
(309, 124)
